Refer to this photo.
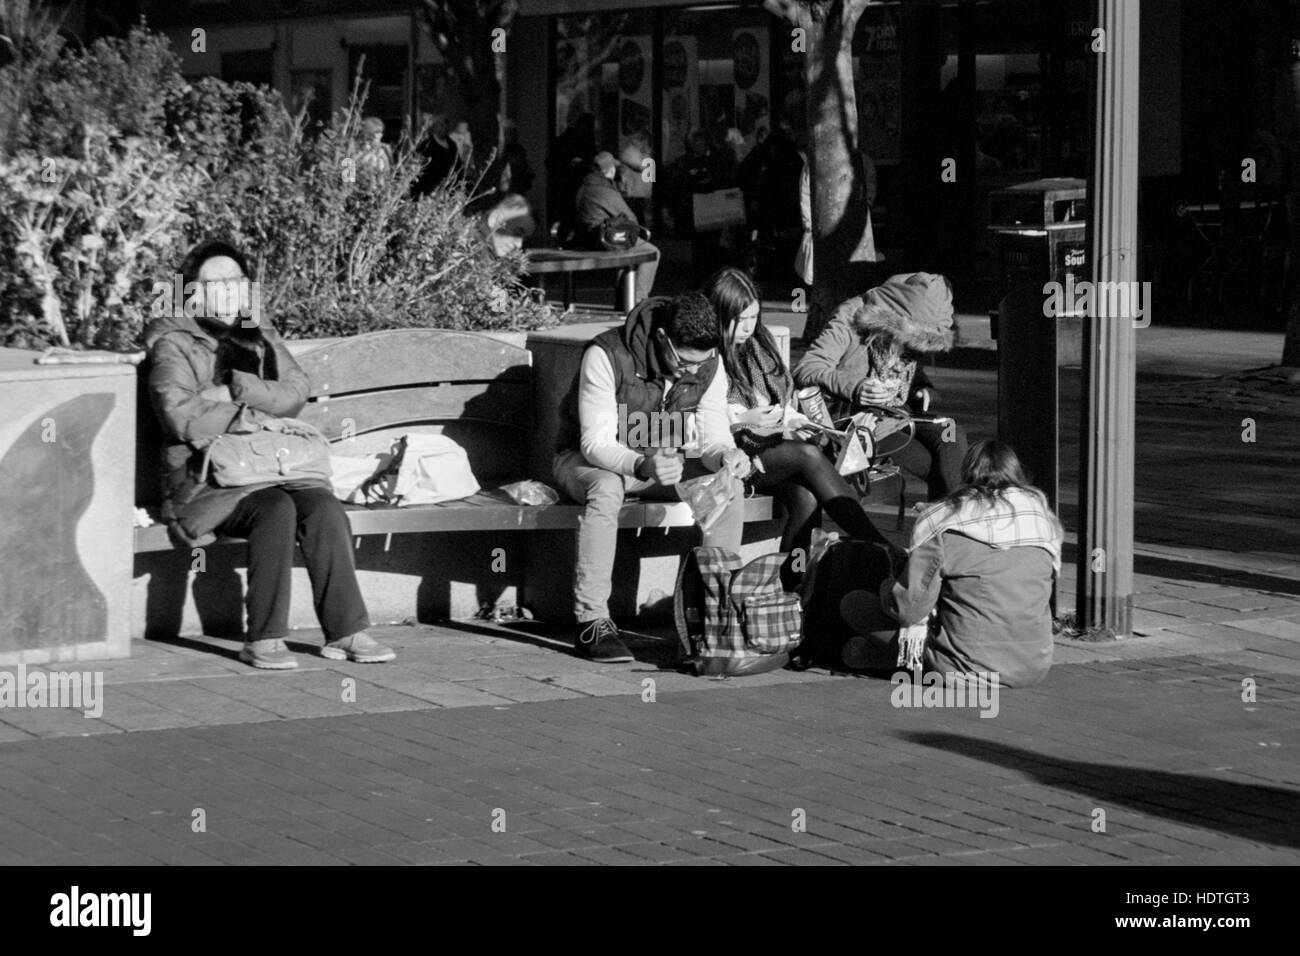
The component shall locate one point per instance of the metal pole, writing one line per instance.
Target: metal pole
(1105, 560)
(413, 73)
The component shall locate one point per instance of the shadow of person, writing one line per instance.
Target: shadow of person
(657, 650)
(218, 590)
(210, 575)
(47, 481)
(1246, 810)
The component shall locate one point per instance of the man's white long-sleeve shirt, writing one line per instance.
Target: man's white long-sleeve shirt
(598, 416)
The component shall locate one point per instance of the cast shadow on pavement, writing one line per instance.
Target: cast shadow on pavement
(1234, 577)
(654, 649)
(1175, 570)
(1243, 810)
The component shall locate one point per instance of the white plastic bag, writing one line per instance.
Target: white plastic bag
(434, 469)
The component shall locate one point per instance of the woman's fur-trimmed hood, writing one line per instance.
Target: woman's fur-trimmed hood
(915, 309)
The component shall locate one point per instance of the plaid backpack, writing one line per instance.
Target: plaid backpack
(734, 618)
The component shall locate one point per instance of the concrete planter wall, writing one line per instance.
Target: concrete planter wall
(67, 443)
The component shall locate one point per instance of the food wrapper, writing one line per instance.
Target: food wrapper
(708, 497)
(531, 493)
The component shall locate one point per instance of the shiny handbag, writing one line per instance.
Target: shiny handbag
(280, 451)
(618, 235)
(754, 443)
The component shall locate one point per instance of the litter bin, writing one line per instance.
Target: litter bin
(1039, 231)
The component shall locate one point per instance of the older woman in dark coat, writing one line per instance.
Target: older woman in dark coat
(215, 370)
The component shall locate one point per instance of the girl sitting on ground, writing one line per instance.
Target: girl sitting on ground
(984, 560)
(768, 425)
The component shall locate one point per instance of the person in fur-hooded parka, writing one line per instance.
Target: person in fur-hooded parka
(870, 354)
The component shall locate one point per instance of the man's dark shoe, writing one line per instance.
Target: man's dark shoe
(598, 641)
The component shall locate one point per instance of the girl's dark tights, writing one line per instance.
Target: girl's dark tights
(805, 481)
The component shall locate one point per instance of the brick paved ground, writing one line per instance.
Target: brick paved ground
(581, 768)
(412, 761)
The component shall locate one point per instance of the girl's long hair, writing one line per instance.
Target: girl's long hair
(730, 291)
(989, 470)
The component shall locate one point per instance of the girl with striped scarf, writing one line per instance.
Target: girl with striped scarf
(768, 425)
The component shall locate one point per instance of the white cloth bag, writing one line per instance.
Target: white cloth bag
(434, 469)
(353, 471)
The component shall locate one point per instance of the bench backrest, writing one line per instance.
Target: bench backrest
(368, 390)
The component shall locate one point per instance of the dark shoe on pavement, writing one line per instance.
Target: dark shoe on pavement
(360, 648)
(598, 641)
(270, 655)
(856, 653)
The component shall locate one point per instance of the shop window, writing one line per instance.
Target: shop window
(437, 92)
(604, 101)
(248, 66)
(1010, 124)
(384, 68)
(716, 108)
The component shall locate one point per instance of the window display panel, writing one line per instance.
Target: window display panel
(604, 80)
(715, 108)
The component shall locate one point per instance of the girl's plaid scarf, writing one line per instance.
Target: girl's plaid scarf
(1015, 519)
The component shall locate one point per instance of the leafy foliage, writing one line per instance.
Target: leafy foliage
(112, 165)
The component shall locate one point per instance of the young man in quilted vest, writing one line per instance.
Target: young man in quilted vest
(655, 383)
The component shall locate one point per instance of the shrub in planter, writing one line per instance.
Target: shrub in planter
(91, 197)
(111, 165)
(74, 248)
(342, 248)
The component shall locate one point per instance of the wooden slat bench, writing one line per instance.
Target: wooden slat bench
(370, 389)
(491, 510)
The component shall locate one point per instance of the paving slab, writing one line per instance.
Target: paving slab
(947, 787)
